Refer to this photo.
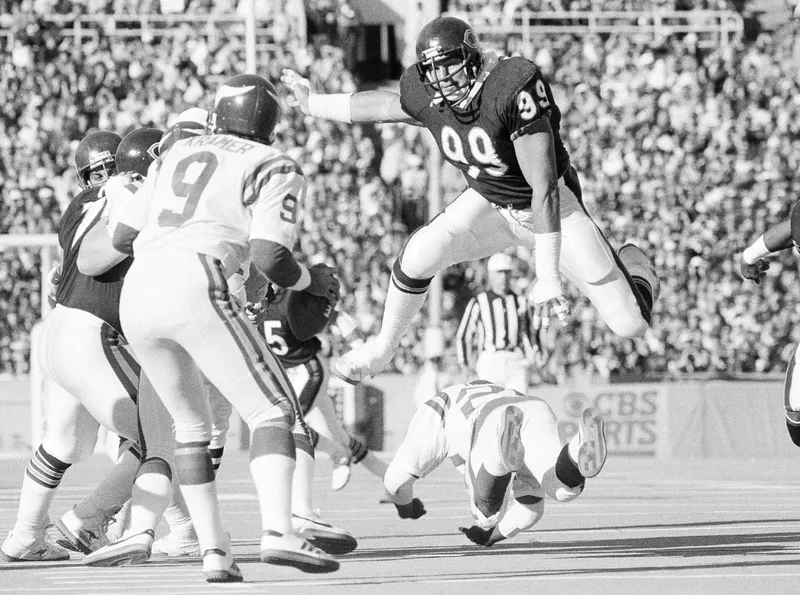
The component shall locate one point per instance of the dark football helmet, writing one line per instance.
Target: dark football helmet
(94, 153)
(179, 131)
(138, 150)
(451, 43)
(246, 105)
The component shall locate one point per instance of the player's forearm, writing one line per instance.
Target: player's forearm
(399, 485)
(97, 253)
(775, 239)
(277, 264)
(362, 106)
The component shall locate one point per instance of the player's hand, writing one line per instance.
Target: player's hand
(413, 510)
(255, 312)
(479, 536)
(756, 271)
(547, 295)
(324, 282)
(53, 279)
(301, 87)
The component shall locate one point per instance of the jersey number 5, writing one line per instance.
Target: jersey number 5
(190, 179)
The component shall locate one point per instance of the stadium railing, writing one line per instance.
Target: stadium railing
(713, 27)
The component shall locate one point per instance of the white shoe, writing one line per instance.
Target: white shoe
(176, 547)
(593, 451)
(125, 552)
(84, 535)
(341, 474)
(510, 444)
(330, 539)
(220, 567)
(41, 548)
(364, 362)
(638, 265)
(288, 549)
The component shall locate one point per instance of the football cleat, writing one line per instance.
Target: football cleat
(220, 567)
(330, 539)
(638, 265)
(129, 551)
(39, 549)
(361, 363)
(176, 547)
(288, 549)
(593, 451)
(341, 474)
(83, 535)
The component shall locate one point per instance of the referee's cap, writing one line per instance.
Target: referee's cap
(500, 262)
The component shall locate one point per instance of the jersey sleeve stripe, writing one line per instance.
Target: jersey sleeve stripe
(264, 173)
(538, 125)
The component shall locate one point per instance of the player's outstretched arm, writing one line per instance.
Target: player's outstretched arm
(362, 106)
(777, 238)
(536, 155)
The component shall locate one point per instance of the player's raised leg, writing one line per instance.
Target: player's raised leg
(453, 236)
(622, 287)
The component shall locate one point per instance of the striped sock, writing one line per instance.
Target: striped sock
(42, 476)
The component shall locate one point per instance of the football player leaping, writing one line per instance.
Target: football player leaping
(495, 119)
(507, 446)
(215, 199)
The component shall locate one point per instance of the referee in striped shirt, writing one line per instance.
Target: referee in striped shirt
(497, 328)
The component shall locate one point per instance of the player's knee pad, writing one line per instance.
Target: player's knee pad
(272, 438)
(793, 426)
(192, 462)
(596, 261)
(406, 282)
(423, 255)
(155, 465)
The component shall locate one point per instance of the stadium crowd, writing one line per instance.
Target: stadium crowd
(689, 151)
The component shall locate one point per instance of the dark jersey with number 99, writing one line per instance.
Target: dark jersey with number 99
(513, 99)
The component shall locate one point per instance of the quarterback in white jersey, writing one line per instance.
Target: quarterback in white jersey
(507, 446)
(213, 200)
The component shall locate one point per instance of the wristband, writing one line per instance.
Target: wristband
(333, 106)
(548, 250)
(303, 282)
(756, 251)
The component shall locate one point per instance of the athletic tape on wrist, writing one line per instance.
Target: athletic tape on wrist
(548, 249)
(756, 251)
(333, 106)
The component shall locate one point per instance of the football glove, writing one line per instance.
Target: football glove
(413, 510)
(480, 536)
(756, 271)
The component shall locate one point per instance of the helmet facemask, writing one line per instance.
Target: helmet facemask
(102, 163)
(448, 76)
